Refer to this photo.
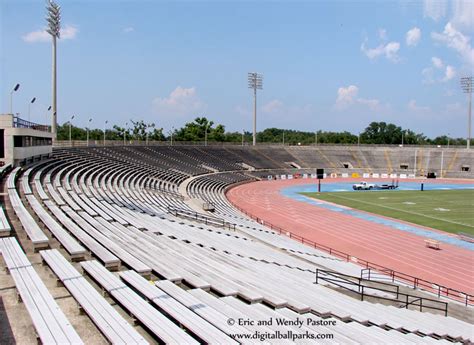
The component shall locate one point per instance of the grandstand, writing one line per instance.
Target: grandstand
(113, 232)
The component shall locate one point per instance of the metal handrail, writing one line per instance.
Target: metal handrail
(339, 279)
(177, 212)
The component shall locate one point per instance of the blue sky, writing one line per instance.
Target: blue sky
(327, 65)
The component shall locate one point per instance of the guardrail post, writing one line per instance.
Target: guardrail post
(421, 304)
(362, 294)
(406, 305)
(317, 271)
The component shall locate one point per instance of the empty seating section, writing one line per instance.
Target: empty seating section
(114, 203)
(34, 232)
(156, 322)
(50, 323)
(106, 318)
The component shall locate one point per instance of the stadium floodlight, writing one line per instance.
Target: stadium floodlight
(17, 86)
(53, 18)
(256, 83)
(466, 85)
(29, 106)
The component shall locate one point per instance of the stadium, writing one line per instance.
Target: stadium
(131, 241)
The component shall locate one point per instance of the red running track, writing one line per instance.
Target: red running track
(401, 251)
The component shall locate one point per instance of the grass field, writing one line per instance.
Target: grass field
(448, 210)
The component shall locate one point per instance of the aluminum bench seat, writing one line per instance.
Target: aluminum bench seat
(202, 328)
(33, 231)
(114, 327)
(5, 227)
(99, 251)
(75, 250)
(208, 313)
(150, 317)
(50, 323)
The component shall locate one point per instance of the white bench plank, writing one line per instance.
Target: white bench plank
(162, 327)
(104, 316)
(203, 329)
(50, 322)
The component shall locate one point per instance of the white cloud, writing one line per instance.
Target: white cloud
(383, 34)
(390, 50)
(37, 36)
(429, 73)
(437, 62)
(463, 13)
(181, 101)
(455, 40)
(128, 29)
(281, 111)
(413, 36)
(450, 73)
(68, 32)
(347, 96)
(371, 103)
(435, 9)
(272, 106)
(414, 107)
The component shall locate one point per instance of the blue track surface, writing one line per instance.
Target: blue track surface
(293, 192)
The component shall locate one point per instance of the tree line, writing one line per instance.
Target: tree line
(201, 129)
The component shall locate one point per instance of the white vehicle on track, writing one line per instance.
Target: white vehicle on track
(363, 186)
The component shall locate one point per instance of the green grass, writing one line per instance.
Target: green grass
(448, 210)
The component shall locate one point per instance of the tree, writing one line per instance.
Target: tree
(196, 130)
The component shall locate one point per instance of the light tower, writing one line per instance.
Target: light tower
(466, 85)
(53, 18)
(255, 82)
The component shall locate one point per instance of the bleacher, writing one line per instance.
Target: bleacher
(105, 211)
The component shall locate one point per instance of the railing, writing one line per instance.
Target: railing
(20, 123)
(359, 287)
(179, 212)
(134, 142)
(415, 282)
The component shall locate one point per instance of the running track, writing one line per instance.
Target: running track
(452, 266)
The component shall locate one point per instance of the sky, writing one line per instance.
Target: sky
(327, 65)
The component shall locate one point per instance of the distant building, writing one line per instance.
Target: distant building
(23, 142)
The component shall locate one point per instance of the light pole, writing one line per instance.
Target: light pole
(316, 138)
(283, 138)
(403, 132)
(448, 139)
(466, 85)
(17, 86)
(70, 125)
(29, 107)
(205, 134)
(124, 132)
(54, 26)
(88, 132)
(255, 81)
(105, 123)
(243, 133)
